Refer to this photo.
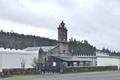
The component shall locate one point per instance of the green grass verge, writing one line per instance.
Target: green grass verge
(15, 77)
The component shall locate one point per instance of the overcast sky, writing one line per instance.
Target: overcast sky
(97, 21)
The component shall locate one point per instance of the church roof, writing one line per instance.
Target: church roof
(71, 58)
(43, 48)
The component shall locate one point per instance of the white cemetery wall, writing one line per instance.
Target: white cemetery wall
(108, 61)
(0, 62)
(13, 59)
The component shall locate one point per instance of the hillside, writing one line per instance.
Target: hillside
(21, 41)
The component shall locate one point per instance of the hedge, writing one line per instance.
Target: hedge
(9, 72)
(89, 69)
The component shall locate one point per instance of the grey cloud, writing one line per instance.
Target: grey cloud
(101, 27)
(20, 14)
(98, 24)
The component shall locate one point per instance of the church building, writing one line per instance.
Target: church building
(54, 58)
(58, 57)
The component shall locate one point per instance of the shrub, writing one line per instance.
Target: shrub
(89, 69)
(8, 72)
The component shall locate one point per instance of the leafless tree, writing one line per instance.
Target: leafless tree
(22, 63)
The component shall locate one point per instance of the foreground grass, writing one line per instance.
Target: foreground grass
(15, 77)
(27, 77)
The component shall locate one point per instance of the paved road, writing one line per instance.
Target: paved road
(109, 75)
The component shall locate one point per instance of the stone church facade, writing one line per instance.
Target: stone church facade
(57, 57)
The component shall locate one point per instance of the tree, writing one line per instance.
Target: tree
(22, 63)
(81, 47)
(21, 41)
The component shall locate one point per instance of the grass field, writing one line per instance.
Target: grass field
(103, 75)
(15, 77)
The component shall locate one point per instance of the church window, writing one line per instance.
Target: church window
(54, 64)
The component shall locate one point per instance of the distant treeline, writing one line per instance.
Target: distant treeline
(81, 47)
(110, 52)
(21, 41)
(85, 48)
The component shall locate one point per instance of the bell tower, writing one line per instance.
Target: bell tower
(62, 32)
(62, 39)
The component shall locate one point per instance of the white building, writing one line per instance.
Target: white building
(0, 62)
(104, 59)
(11, 58)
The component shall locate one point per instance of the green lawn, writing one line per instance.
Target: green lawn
(110, 75)
(15, 77)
